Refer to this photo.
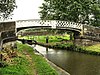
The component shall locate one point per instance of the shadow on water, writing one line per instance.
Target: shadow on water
(73, 62)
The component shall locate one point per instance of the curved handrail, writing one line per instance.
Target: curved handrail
(2, 41)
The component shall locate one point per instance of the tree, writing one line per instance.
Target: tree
(96, 13)
(83, 11)
(6, 8)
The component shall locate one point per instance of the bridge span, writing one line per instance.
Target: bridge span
(10, 28)
(53, 24)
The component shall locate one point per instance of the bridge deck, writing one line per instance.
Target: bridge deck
(12, 26)
(51, 23)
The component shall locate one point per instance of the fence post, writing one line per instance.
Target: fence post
(71, 36)
(47, 38)
(82, 30)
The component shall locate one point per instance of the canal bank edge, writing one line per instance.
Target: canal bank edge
(59, 70)
(70, 48)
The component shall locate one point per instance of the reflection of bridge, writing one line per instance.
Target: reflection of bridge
(8, 29)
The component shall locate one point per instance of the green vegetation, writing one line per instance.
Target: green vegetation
(52, 38)
(63, 43)
(94, 48)
(40, 64)
(42, 67)
(6, 8)
(19, 65)
(72, 10)
(26, 63)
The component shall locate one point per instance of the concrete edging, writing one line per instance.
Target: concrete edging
(59, 70)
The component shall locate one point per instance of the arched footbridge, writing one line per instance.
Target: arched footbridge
(53, 24)
(9, 29)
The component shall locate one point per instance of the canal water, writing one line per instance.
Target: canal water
(73, 62)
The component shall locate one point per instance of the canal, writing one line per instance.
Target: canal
(73, 62)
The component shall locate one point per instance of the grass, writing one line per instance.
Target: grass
(19, 65)
(52, 39)
(94, 48)
(40, 64)
(57, 42)
(43, 68)
(27, 63)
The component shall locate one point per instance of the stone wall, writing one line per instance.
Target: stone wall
(7, 26)
(7, 31)
(91, 36)
(85, 42)
(91, 31)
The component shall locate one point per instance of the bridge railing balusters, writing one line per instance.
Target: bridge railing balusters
(52, 23)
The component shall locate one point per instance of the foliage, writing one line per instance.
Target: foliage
(94, 48)
(43, 68)
(27, 63)
(18, 65)
(96, 12)
(6, 8)
(82, 11)
(56, 42)
(40, 64)
(52, 38)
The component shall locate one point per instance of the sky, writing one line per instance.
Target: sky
(27, 9)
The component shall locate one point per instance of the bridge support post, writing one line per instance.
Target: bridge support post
(47, 49)
(82, 32)
(47, 39)
(71, 36)
(23, 41)
(74, 41)
(76, 36)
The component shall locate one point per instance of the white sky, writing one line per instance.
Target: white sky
(27, 9)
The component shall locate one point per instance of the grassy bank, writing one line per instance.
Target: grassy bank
(62, 42)
(19, 65)
(93, 50)
(26, 63)
(52, 38)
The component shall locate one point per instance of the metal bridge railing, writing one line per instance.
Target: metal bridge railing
(52, 23)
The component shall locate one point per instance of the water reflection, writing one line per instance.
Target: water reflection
(73, 62)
